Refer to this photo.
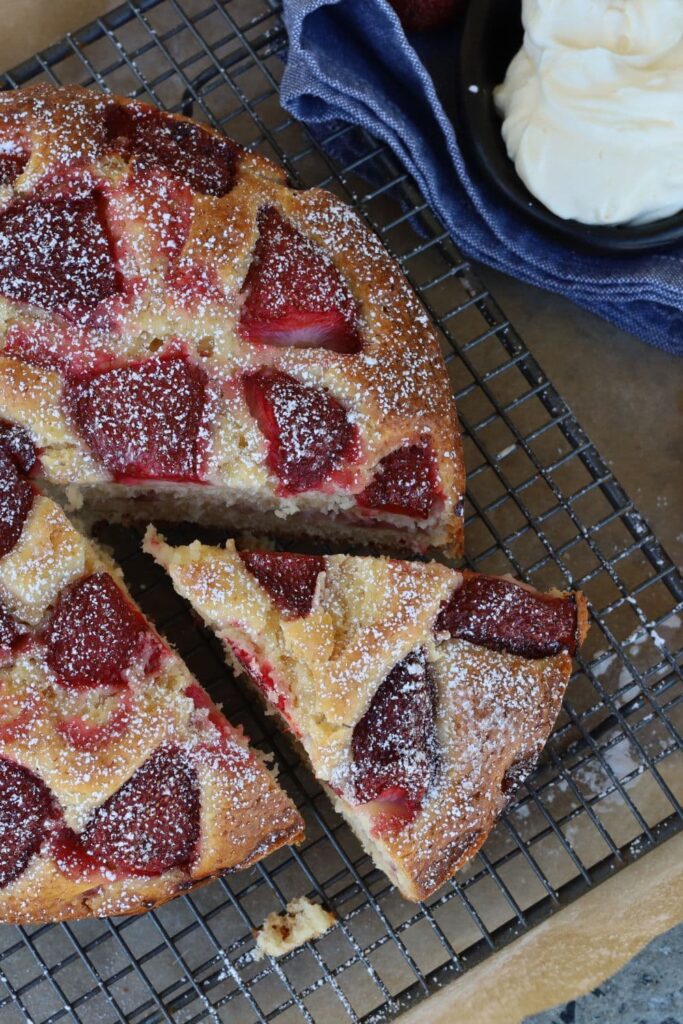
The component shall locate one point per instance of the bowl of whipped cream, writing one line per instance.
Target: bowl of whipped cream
(574, 109)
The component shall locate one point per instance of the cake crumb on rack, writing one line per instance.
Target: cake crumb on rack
(300, 922)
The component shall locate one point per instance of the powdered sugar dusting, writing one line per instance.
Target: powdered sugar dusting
(149, 137)
(55, 254)
(294, 294)
(422, 736)
(309, 434)
(149, 826)
(119, 774)
(94, 634)
(146, 421)
(394, 743)
(130, 233)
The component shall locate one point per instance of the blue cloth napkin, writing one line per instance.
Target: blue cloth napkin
(350, 60)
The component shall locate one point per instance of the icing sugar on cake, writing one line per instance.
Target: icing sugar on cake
(422, 696)
(121, 783)
(185, 335)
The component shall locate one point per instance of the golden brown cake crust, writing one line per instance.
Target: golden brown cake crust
(46, 896)
(495, 709)
(50, 728)
(395, 390)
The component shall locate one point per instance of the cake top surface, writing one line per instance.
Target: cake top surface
(121, 783)
(422, 695)
(171, 309)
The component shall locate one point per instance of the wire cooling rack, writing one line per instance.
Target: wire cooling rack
(541, 504)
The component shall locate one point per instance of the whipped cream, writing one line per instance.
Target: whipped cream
(593, 108)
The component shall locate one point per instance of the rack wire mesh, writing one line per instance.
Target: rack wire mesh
(541, 503)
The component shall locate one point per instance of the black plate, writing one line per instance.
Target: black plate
(492, 35)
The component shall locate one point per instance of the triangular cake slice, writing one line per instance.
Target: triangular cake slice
(121, 783)
(421, 695)
(185, 336)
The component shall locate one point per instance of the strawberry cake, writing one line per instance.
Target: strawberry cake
(121, 783)
(184, 335)
(422, 696)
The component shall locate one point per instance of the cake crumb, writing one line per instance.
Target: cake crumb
(74, 497)
(300, 922)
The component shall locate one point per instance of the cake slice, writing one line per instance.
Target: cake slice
(185, 336)
(422, 696)
(121, 783)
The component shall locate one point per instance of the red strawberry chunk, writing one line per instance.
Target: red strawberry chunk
(290, 580)
(405, 483)
(392, 812)
(262, 674)
(144, 421)
(394, 744)
(16, 501)
(499, 614)
(95, 633)
(58, 346)
(12, 165)
(308, 432)
(152, 138)
(147, 827)
(166, 209)
(17, 444)
(294, 293)
(57, 254)
(26, 808)
(203, 702)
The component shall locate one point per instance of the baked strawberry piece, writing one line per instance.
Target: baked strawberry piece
(309, 436)
(294, 294)
(121, 784)
(421, 695)
(144, 421)
(185, 336)
(148, 138)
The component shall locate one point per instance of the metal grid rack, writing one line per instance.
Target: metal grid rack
(541, 504)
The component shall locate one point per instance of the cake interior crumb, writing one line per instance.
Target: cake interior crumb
(301, 921)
